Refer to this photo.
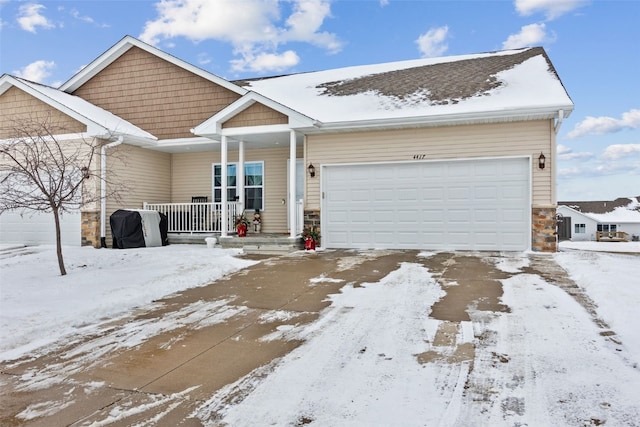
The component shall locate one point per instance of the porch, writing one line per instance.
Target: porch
(193, 223)
(612, 236)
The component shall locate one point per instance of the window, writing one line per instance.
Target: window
(253, 184)
(611, 228)
(580, 228)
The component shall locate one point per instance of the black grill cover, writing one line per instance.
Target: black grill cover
(127, 232)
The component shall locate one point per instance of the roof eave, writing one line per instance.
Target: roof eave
(494, 116)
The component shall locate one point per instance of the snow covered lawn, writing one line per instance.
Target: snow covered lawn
(39, 307)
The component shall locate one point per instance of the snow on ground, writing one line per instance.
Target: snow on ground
(39, 307)
(371, 358)
(543, 363)
(625, 247)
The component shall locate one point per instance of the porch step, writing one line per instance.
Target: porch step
(252, 243)
(262, 243)
(187, 238)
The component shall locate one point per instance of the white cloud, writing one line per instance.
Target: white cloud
(37, 71)
(30, 18)
(604, 124)
(529, 35)
(566, 153)
(305, 22)
(84, 18)
(204, 58)
(383, 3)
(551, 8)
(432, 43)
(255, 30)
(619, 151)
(569, 172)
(266, 62)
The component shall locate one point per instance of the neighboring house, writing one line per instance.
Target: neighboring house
(437, 153)
(583, 220)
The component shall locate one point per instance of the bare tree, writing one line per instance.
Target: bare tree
(39, 172)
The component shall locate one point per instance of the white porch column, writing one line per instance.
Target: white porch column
(240, 177)
(223, 189)
(292, 185)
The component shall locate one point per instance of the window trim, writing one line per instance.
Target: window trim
(214, 187)
(610, 228)
(580, 228)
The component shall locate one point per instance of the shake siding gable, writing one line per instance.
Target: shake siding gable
(16, 104)
(438, 143)
(256, 115)
(155, 95)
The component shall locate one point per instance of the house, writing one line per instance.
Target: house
(453, 153)
(600, 220)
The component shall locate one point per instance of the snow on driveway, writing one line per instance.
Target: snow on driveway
(364, 362)
(543, 363)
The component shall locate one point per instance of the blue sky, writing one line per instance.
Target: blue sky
(594, 45)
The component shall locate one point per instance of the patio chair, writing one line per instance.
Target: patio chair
(199, 213)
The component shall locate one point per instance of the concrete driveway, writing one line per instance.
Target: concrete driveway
(163, 379)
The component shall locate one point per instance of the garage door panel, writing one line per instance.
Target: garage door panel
(513, 191)
(485, 216)
(458, 193)
(488, 193)
(360, 196)
(433, 195)
(432, 215)
(513, 170)
(514, 216)
(468, 205)
(458, 170)
(459, 215)
(39, 228)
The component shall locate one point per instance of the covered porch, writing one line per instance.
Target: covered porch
(207, 219)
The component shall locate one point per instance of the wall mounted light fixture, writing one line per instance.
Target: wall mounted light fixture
(312, 170)
(541, 161)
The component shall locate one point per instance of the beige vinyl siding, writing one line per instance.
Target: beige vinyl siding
(451, 142)
(257, 115)
(145, 173)
(159, 97)
(16, 104)
(192, 176)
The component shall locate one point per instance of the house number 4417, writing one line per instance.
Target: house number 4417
(419, 156)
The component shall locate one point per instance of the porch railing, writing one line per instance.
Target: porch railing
(196, 217)
(612, 236)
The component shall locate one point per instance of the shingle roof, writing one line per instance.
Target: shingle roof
(601, 207)
(494, 82)
(443, 83)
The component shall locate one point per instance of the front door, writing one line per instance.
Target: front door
(564, 228)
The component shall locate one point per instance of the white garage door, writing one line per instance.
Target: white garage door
(38, 229)
(453, 205)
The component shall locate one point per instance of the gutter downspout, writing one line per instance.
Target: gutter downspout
(556, 128)
(103, 189)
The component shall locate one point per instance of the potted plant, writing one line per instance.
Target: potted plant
(311, 236)
(241, 225)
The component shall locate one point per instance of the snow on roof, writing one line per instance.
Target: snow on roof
(621, 210)
(91, 113)
(468, 84)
